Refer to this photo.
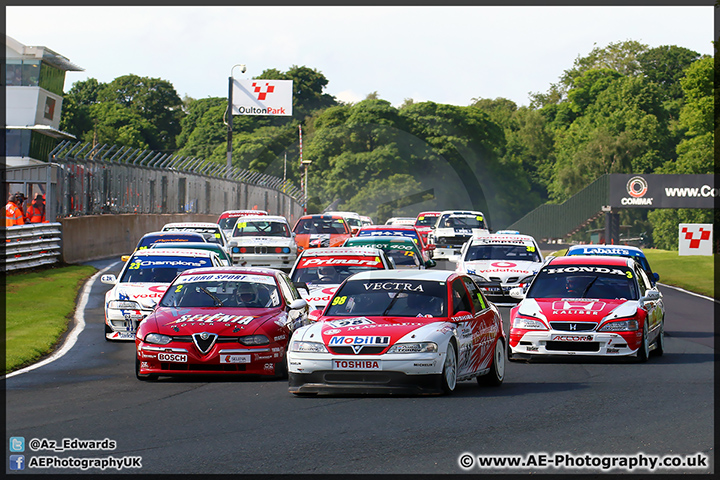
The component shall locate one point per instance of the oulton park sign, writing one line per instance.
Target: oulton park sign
(662, 191)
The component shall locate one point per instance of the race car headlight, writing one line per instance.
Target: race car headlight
(528, 324)
(527, 280)
(254, 340)
(157, 339)
(623, 325)
(124, 305)
(307, 347)
(419, 347)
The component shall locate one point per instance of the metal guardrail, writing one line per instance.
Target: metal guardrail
(32, 245)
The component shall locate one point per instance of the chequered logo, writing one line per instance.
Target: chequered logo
(258, 89)
(695, 242)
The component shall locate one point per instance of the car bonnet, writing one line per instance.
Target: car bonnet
(222, 321)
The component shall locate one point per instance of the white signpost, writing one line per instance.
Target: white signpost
(262, 97)
(695, 239)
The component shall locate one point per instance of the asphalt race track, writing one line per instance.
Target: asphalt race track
(575, 406)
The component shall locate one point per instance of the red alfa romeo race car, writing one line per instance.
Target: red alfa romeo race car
(222, 320)
(588, 305)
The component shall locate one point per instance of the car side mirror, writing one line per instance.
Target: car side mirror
(109, 279)
(315, 315)
(125, 258)
(298, 304)
(302, 286)
(656, 277)
(461, 316)
(517, 293)
(651, 296)
(430, 246)
(430, 263)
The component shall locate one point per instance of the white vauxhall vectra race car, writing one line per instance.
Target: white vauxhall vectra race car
(399, 331)
(501, 262)
(142, 282)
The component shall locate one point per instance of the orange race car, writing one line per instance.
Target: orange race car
(312, 231)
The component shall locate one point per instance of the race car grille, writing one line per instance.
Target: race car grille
(573, 346)
(204, 367)
(456, 241)
(364, 350)
(188, 338)
(573, 326)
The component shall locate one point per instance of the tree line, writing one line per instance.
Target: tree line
(624, 108)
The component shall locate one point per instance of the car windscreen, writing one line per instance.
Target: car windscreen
(400, 298)
(317, 225)
(223, 290)
(389, 233)
(160, 269)
(260, 228)
(145, 242)
(463, 221)
(405, 258)
(332, 270)
(585, 282)
(426, 221)
(519, 253)
(228, 223)
(211, 247)
(211, 234)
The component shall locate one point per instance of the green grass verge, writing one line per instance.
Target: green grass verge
(38, 308)
(694, 273)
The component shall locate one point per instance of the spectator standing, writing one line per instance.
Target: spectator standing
(36, 210)
(13, 210)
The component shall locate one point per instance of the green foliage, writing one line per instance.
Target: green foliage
(386, 197)
(665, 66)
(665, 224)
(153, 99)
(116, 124)
(622, 108)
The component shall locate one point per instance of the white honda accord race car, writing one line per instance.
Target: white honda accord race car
(501, 262)
(142, 282)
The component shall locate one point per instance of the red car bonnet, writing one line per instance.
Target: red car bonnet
(577, 310)
(232, 321)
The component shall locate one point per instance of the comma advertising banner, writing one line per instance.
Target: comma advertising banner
(695, 239)
(662, 191)
(262, 97)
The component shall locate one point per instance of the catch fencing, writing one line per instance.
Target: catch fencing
(94, 180)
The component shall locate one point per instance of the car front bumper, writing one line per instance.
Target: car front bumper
(230, 359)
(279, 261)
(122, 324)
(395, 373)
(553, 342)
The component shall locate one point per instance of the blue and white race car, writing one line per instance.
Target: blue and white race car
(142, 282)
(617, 251)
